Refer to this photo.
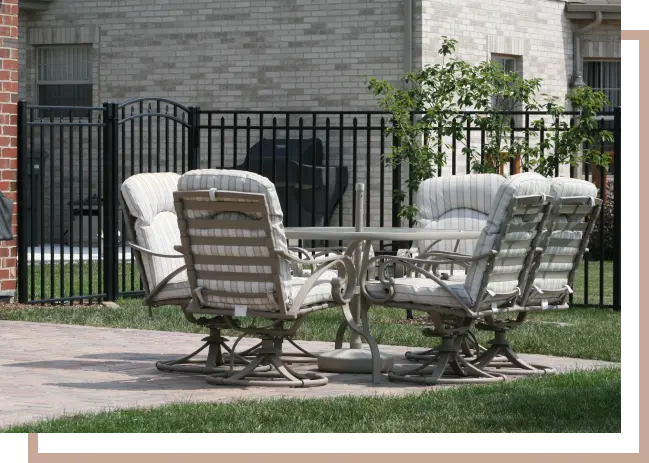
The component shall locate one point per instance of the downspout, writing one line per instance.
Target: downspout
(407, 52)
(578, 66)
(576, 43)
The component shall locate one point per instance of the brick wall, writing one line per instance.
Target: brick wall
(8, 152)
(232, 54)
(281, 55)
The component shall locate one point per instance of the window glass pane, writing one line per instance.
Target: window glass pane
(65, 95)
(509, 65)
(64, 63)
(605, 76)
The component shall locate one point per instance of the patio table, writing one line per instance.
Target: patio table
(355, 359)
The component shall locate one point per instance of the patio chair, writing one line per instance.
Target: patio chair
(238, 264)
(549, 284)
(461, 202)
(495, 278)
(152, 230)
(150, 220)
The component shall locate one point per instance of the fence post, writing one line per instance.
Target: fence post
(193, 119)
(617, 207)
(110, 200)
(22, 207)
(396, 186)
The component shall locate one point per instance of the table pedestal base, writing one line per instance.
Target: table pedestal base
(352, 361)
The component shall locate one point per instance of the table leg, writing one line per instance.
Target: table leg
(355, 304)
(356, 359)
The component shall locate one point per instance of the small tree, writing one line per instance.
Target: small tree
(441, 100)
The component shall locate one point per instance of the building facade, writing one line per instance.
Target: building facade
(301, 55)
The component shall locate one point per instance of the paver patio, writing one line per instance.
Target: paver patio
(47, 370)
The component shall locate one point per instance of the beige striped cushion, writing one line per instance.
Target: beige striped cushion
(422, 291)
(562, 246)
(149, 198)
(460, 202)
(246, 182)
(505, 274)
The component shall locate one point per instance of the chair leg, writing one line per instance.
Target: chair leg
(470, 348)
(467, 350)
(279, 374)
(242, 358)
(512, 363)
(215, 364)
(446, 366)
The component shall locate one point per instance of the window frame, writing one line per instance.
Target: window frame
(40, 83)
(604, 118)
(517, 60)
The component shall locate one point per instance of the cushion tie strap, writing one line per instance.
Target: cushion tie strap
(213, 192)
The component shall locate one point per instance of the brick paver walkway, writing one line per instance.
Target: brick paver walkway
(47, 370)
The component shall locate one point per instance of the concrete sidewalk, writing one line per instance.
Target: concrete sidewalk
(47, 370)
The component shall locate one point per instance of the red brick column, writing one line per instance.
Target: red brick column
(8, 135)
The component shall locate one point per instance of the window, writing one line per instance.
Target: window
(605, 76)
(510, 64)
(64, 76)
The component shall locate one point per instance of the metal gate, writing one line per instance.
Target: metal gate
(72, 161)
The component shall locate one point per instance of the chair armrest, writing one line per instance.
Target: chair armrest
(342, 287)
(410, 264)
(310, 260)
(452, 257)
(153, 253)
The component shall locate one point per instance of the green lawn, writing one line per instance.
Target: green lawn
(54, 281)
(591, 333)
(571, 402)
(71, 280)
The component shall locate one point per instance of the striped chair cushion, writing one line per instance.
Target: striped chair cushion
(320, 293)
(505, 274)
(149, 198)
(461, 202)
(562, 245)
(422, 291)
(246, 182)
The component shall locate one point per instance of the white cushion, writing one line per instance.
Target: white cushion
(177, 289)
(422, 291)
(149, 198)
(505, 274)
(319, 293)
(247, 182)
(459, 202)
(562, 246)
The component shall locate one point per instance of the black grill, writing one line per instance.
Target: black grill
(307, 170)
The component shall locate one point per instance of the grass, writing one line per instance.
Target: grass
(572, 402)
(54, 281)
(590, 333)
(64, 280)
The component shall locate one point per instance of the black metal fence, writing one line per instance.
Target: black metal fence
(72, 161)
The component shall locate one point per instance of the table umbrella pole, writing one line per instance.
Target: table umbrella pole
(355, 340)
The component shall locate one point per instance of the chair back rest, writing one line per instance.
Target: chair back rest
(150, 218)
(574, 214)
(231, 232)
(514, 229)
(458, 202)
